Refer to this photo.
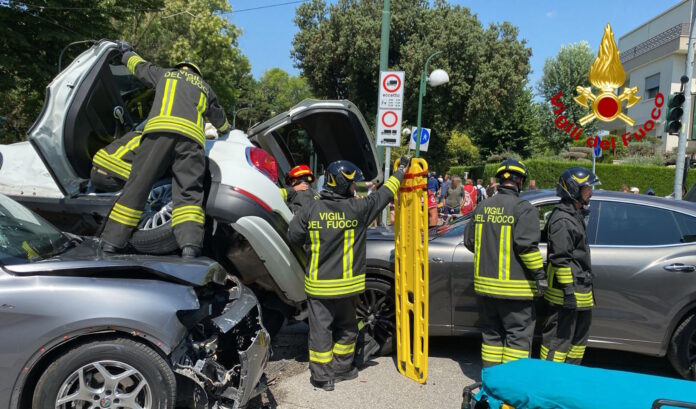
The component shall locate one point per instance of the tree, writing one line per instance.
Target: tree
(337, 49)
(462, 150)
(563, 73)
(194, 30)
(32, 38)
(274, 93)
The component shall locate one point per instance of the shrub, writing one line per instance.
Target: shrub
(658, 178)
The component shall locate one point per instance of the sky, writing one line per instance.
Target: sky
(546, 25)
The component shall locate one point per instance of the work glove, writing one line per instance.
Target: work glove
(569, 300)
(542, 285)
(124, 46)
(404, 162)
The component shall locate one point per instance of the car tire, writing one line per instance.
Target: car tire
(377, 309)
(146, 369)
(682, 348)
(160, 240)
(272, 320)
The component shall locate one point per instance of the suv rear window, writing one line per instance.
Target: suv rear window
(626, 224)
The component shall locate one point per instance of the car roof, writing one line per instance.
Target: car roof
(671, 204)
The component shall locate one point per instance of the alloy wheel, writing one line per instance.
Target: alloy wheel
(105, 384)
(377, 310)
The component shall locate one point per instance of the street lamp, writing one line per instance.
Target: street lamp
(437, 78)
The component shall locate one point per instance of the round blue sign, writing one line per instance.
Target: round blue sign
(425, 135)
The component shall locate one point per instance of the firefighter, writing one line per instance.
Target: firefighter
(569, 270)
(111, 165)
(298, 193)
(334, 228)
(504, 236)
(173, 140)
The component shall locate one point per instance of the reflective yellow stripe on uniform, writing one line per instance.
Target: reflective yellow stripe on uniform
(190, 213)
(477, 249)
(117, 166)
(341, 349)
(132, 62)
(492, 353)
(513, 354)
(174, 123)
(576, 351)
(284, 194)
(348, 241)
(125, 215)
(532, 260)
(224, 126)
(320, 357)
(563, 274)
(392, 184)
(335, 287)
(314, 250)
(559, 356)
(202, 102)
(555, 296)
(544, 353)
(504, 253)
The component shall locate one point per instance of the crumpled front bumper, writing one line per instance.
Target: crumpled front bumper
(222, 384)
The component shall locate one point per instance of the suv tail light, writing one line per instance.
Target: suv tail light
(263, 161)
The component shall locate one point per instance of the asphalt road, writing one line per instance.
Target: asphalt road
(454, 362)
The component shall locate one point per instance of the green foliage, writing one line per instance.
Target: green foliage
(194, 30)
(32, 37)
(658, 178)
(461, 150)
(563, 73)
(337, 48)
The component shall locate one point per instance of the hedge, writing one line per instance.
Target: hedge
(546, 173)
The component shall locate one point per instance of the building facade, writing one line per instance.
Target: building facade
(654, 58)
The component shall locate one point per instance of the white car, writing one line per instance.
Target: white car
(96, 99)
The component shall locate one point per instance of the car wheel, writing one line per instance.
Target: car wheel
(154, 234)
(682, 348)
(273, 320)
(377, 310)
(116, 373)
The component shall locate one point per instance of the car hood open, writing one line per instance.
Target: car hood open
(336, 127)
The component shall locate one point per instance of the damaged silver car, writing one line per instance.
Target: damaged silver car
(80, 330)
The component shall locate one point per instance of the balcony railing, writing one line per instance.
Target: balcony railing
(664, 37)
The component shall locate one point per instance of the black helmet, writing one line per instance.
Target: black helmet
(511, 169)
(340, 175)
(571, 182)
(190, 64)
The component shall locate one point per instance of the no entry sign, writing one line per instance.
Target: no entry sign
(391, 96)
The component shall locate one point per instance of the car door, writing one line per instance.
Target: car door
(90, 103)
(333, 130)
(644, 261)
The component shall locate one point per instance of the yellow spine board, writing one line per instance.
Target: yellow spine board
(411, 272)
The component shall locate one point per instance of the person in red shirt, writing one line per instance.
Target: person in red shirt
(469, 199)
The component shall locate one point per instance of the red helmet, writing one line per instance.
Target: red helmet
(300, 171)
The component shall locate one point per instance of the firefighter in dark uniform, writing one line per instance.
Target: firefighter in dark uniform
(334, 228)
(111, 165)
(569, 270)
(298, 193)
(504, 236)
(173, 140)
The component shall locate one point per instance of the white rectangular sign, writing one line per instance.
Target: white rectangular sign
(391, 90)
(389, 127)
(425, 139)
(391, 100)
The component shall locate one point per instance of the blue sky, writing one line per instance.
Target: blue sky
(546, 25)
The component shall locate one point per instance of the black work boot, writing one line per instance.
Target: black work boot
(352, 373)
(109, 249)
(325, 385)
(190, 252)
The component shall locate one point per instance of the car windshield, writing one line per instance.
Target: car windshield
(455, 227)
(26, 237)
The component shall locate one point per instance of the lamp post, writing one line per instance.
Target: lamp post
(437, 78)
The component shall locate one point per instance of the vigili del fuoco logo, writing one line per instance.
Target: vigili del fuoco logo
(607, 74)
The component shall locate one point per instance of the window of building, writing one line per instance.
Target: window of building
(652, 86)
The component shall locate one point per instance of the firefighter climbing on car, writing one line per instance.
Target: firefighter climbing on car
(508, 269)
(334, 228)
(569, 270)
(172, 141)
